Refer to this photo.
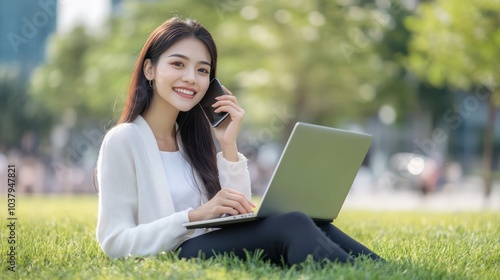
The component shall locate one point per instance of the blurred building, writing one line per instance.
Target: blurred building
(25, 27)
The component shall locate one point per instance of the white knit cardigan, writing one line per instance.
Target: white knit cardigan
(136, 213)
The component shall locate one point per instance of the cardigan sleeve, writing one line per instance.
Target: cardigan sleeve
(118, 230)
(235, 175)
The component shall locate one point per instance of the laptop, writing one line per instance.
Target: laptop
(314, 175)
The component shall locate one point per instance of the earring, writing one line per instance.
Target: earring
(151, 83)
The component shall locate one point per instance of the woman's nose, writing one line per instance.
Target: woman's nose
(189, 76)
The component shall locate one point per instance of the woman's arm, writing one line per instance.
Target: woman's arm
(119, 230)
(235, 175)
(235, 196)
(233, 168)
(227, 132)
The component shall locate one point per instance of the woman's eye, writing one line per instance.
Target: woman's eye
(177, 63)
(204, 71)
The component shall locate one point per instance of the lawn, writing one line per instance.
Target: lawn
(55, 238)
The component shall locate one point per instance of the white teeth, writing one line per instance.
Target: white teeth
(184, 91)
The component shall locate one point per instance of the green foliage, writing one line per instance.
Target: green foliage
(455, 42)
(19, 113)
(62, 82)
(317, 60)
(56, 238)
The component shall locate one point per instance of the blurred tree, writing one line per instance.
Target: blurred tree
(18, 112)
(287, 60)
(61, 82)
(455, 43)
(319, 60)
(90, 72)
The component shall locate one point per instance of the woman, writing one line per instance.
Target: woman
(158, 168)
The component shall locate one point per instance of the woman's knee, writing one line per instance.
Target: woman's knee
(291, 219)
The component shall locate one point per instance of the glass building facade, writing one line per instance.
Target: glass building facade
(25, 26)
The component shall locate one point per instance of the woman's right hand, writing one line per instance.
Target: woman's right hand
(226, 201)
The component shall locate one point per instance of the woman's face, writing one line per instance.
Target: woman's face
(182, 74)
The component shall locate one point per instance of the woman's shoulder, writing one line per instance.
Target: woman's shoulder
(121, 133)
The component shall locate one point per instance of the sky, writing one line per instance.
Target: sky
(92, 13)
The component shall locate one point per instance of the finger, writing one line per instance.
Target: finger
(235, 192)
(235, 113)
(234, 199)
(236, 205)
(219, 211)
(227, 210)
(226, 90)
(229, 191)
(227, 97)
(232, 191)
(242, 206)
(247, 206)
(227, 101)
(242, 202)
(251, 203)
(220, 100)
(222, 206)
(224, 106)
(231, 204)
(226, 191)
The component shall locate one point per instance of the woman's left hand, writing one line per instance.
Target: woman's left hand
(227, 132)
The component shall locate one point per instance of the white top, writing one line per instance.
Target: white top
(136, 214)
(180, 179)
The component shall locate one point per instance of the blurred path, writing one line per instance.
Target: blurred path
(447, 200)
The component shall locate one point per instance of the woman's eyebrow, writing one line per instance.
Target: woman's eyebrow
(187, 58)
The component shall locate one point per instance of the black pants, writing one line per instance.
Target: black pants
(291, 237)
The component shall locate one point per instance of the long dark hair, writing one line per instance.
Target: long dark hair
(193, 128)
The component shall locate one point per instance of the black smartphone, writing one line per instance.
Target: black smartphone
(214, 90)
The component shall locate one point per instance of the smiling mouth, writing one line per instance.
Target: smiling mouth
(184, 91)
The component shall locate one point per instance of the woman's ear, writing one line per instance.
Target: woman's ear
(148, 69)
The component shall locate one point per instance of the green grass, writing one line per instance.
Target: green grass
(56, 241)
